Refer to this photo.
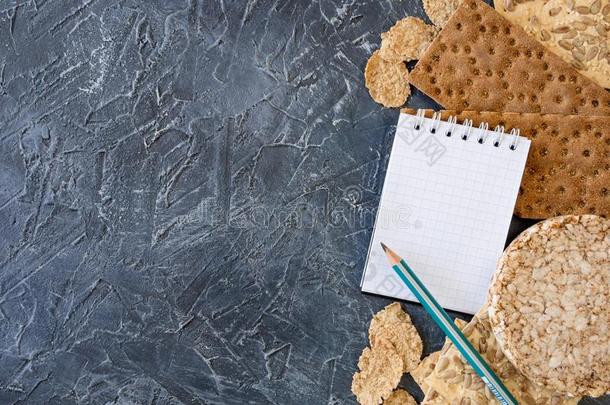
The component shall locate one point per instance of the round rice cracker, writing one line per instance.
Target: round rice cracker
(393, 325)
(400, 397)
(388, 82)
(439, 11)
(380, 372)
(549, 304)
(407, 40)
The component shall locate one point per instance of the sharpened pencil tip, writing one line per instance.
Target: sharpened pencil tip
(393, 257)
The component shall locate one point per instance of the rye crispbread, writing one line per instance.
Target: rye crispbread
(481, 61)
(568, 167)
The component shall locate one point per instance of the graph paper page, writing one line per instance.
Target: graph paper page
(445, 207)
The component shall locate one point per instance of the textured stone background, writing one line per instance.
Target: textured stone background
(187, 192)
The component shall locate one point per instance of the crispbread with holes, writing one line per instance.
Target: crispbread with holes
(481, 61)
(568, 167)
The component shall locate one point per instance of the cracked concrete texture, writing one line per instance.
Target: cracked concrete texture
(187, 191)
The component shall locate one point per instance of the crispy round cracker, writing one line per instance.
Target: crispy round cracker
(407, 40)
(439, 11)
(400, 397)
(380, 372)
(388, 82)
(549, 304)
(393, 325)
(576, 32)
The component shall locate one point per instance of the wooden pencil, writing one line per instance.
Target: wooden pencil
(439, 315)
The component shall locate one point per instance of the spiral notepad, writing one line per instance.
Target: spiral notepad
(446, 206)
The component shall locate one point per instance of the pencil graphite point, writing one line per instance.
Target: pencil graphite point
(392, 257)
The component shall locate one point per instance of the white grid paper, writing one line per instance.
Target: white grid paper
(447, 214)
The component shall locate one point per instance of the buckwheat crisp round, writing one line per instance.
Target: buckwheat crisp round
(400, 397)
(380, 372)
(439, 11)
(393, 325)
(407, 40)
(388, 82)
(549, 304)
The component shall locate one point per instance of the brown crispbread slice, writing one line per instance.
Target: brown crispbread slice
(568, 167)
(481, 61)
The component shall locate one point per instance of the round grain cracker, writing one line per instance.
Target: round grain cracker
(549, 300)
(407, 40)
(400, 397)
(393, 325)
(439, 11)
(388, 82)
(380, 372)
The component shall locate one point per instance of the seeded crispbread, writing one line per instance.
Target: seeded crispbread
(388, 82)
(434, 398)
(393, 325)
(548, 304)
(424, 369)
(455, 379)
(481, 61)
(406, 40)
(400, 397)
(576, 31)
(380, 372)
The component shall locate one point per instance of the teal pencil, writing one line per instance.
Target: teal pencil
(439, 315)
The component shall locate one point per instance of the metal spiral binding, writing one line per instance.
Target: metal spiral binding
(420, 119)
(499, 131)
(436, 122)
(468, 124)
(485, 128)
(452, 122)
(515, 133)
